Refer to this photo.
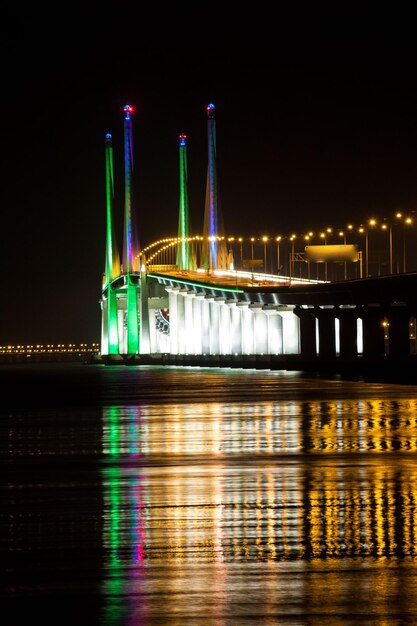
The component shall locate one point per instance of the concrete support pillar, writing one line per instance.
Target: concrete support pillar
(181, 321)
(189, 322)
(173, 318)
(224, 326)
(197, 323)
(235, 327)
(205, 324)
(153, 342)
(122, 328)
(214, 327)
(274, 330)
(373, 331)
(247, 328)
(290, 331)
(327, 339)
(307, 331)
(260, 329)
(399, 331)
(348, 329)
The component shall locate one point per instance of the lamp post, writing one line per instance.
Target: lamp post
(278, 239)
(389, 228)
(406, 221)
(252, 239)
(240, 240)
(292, 238)
(372, 223)
(265, 239)
(365, 230)
(343, 234)
(403, 220)
(324, 236)
(307, 238)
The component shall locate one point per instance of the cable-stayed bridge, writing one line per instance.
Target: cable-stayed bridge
(188, 298)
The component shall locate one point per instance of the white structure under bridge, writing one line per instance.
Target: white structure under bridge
(181, 313)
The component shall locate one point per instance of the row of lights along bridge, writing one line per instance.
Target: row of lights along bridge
(383, 252)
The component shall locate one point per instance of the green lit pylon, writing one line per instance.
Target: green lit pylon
(183, 251)
(110, 335)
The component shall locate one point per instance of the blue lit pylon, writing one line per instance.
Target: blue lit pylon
(214, 248)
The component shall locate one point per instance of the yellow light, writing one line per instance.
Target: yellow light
(264, 238)
(372, 222)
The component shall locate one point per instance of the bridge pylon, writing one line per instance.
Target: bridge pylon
(125, 318)
(214, 244)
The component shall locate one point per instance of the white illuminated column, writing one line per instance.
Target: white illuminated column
(189, 322)
(290, 332)
(224, 326)
(235, 327)
(247, 328)
(182, 329)
(274, 330)
(197, 323)
(214, 327)
(154, 347)
(260, 329)
(205, 324)
(173, 318)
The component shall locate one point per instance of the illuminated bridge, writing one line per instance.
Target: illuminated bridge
(189, 300)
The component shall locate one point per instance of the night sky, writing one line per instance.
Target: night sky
(313, 130)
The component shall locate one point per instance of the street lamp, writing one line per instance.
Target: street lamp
(307, 238)
(278, 239)
(343, 234)
(265, 239)
(292, 238)
(365, 230)
(389, 227)
(324, 236)
(240, 240)
(405, 221)
(252, 239)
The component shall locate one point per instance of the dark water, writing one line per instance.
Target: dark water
(142, 496)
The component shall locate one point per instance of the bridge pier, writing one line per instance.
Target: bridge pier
(348, 332)
(327, 331)
(399, 331)
(235, 327)
(307, 331)
(373, 331)
(274, 330)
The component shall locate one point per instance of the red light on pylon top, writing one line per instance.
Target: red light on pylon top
(183, 140)
(128, 109)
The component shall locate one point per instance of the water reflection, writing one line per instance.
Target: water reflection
(219, 430)
(195, 491)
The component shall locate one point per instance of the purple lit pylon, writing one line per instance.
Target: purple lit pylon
(130, 242)
(214, 244)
